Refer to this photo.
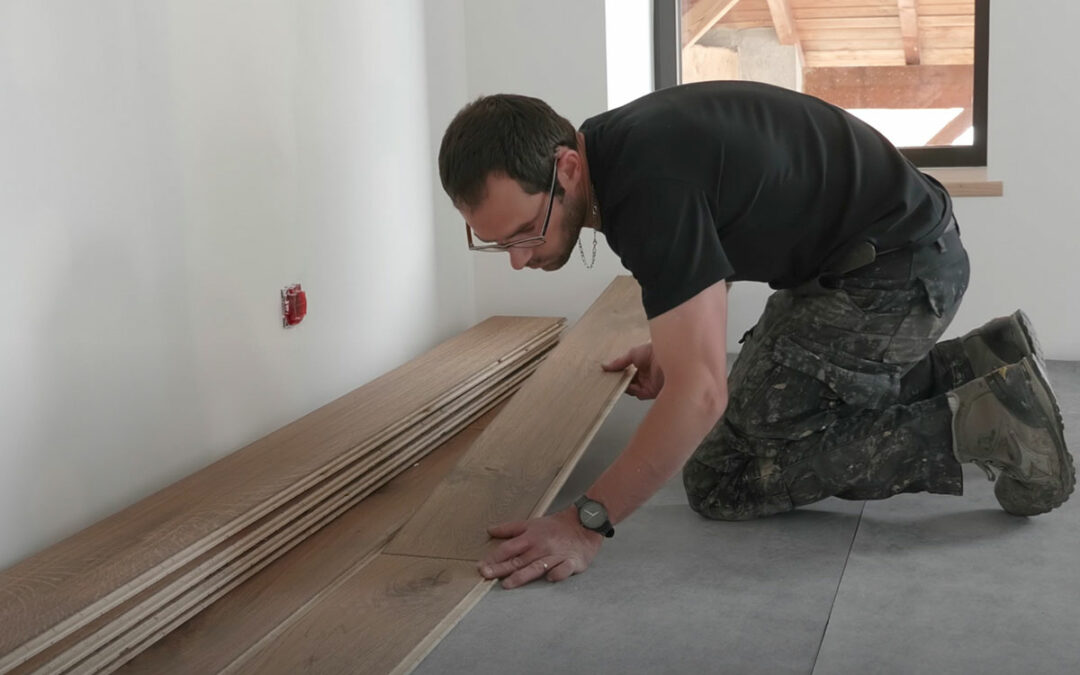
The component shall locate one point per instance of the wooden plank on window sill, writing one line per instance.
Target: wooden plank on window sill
(967, 181)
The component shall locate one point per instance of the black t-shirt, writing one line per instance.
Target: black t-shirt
(747, 181)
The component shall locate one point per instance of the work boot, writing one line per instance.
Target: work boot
(1009, 420)
(1002, 342)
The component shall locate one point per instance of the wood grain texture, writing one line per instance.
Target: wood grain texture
(155, 626)
(278, 595)
(509, 469)
(389, 614)
(54, 593)
(372, 621)
(703, 15)
(147, 617)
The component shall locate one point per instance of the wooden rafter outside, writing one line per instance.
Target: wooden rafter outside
(909, 30)
(702, 16)
(953, 130)
(787, 32)
(784, 22)
(848, 33)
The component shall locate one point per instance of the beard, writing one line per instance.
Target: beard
(573, 221)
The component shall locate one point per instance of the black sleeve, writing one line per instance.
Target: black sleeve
(665, 235)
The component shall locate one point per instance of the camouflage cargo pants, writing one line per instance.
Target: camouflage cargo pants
(839, 391)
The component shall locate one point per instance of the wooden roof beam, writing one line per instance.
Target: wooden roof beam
(701, 17)
(787, 31)
(909, 30)
(953, 130)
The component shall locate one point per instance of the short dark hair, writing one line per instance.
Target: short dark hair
(504, 134)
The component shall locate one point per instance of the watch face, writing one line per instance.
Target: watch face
(592, 514)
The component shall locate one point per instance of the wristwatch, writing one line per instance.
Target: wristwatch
(593, 516)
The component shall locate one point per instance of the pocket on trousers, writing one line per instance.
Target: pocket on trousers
(859, 383)
(882, 301)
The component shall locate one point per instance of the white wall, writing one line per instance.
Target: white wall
(444, 37)
(165, 168)
(1025, 246)
(555, 51)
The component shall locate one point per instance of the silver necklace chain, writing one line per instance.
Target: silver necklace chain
(589, 264)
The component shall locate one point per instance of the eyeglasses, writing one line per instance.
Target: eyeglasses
(525, 242)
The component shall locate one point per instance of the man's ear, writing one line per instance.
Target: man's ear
(569, 167)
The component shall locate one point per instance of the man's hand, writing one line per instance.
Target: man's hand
(649, 378)
(556, 546)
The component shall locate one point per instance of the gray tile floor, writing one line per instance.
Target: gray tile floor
(913, 584)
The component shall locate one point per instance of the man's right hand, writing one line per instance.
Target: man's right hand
(649, 379)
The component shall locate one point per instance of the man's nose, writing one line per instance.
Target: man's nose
(519, 257)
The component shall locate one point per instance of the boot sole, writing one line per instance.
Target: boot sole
(1066, 457)
(1033, 342)
(1044, 377)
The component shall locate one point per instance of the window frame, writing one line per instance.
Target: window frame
(667, 72)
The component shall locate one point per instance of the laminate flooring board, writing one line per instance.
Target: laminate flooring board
(372, 621)
(389, 613)
(150, 620)
(249, 548)
(52, 594)
(157, 626)
(513, 466)
(278, 595)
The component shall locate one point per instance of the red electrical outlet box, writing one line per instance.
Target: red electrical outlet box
(293, 305)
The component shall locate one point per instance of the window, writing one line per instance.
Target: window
(914, 69)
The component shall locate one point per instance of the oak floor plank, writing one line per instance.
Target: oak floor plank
(52, 594)
(231, 626)
(381, 612)
(152, 627)
(141, 621)
(260, 543)
(387, 615)
(507, 472)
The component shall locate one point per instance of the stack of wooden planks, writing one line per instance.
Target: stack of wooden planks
(96, 600)
(343, 602)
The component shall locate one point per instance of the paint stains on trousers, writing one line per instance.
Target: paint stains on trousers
(839, 391)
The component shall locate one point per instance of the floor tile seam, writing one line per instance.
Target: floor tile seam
(836, 593)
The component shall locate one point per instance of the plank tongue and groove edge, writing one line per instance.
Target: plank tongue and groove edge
(511, 467)
(52, 594)
(144, 619)
(388, 614)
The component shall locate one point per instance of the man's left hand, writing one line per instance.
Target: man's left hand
(555, 546)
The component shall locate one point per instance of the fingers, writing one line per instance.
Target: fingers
(641, 391)
(619, 363)
(505, 559)
(530, 572)
(503, 569)
(507, 530)
(561, 572)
